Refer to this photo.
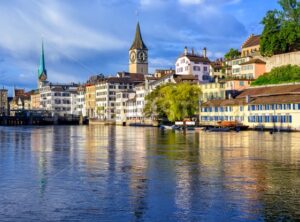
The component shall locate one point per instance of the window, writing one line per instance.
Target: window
(205, 69)
(196, 68)
(242, 83)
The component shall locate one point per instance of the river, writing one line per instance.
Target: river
(102, 173)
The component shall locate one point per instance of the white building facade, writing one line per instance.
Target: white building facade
(59, 99)
(190, 63)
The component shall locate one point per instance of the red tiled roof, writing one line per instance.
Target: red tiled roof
(271, 90)
(253, 40)
(254, 61)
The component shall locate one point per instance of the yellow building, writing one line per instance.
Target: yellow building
(35, 100)
(265, 107)
(214, 90)
(90, 100)
(251, 46)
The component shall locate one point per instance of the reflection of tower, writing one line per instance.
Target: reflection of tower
(42, 72)
(138, 54)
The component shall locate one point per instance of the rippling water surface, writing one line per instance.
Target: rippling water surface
(98, 173)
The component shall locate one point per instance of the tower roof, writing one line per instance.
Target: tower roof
(138, 42)
(42, 67)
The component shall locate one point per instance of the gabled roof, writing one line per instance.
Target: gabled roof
(195, 58)
(283, 89)
(253, 40)
(138, 42)
(254, 61)
(185, 78)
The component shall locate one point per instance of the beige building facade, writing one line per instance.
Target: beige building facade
(90, 100)
(268, 107)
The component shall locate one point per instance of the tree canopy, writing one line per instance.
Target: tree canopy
(231, 54)
(281, 32)
(283, 74)
(173, 101)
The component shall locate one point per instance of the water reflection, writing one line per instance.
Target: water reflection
(99, 173)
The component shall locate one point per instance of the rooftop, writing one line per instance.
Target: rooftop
(253, 40)
(254, 61)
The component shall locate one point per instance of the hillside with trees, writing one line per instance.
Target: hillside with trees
(281, 32)
(283, 74)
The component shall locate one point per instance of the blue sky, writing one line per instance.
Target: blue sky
(86, 37)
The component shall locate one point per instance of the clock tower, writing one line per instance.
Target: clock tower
(138, 54)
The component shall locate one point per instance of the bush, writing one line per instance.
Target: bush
(283, 74)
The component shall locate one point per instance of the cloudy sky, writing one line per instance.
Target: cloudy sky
(86, 37)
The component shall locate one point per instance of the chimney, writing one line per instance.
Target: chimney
(185, 50)
(204, 53)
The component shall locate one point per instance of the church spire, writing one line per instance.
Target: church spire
(42, 72)
(138, 42)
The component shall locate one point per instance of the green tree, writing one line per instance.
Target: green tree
(232, 53)
(283, 74)
(174, 101)
(281, 32)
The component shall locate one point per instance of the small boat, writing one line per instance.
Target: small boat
(234, 125)
(165, 127)
(218, 129)
(173, 127)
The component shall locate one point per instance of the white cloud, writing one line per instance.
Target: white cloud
(22, 33)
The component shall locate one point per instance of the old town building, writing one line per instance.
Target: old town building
(59, 99)
(251, 46)
(264, 107)
(191, 63)
(3, 102)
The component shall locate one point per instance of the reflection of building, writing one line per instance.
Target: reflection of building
(3, 102)
(190, 63)
(263, 107)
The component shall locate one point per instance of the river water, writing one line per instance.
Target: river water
(100, 173)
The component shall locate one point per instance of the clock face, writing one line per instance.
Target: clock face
(132, 56)
(142, 56)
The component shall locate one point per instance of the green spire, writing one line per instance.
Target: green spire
(42, 68)
(138, 42)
